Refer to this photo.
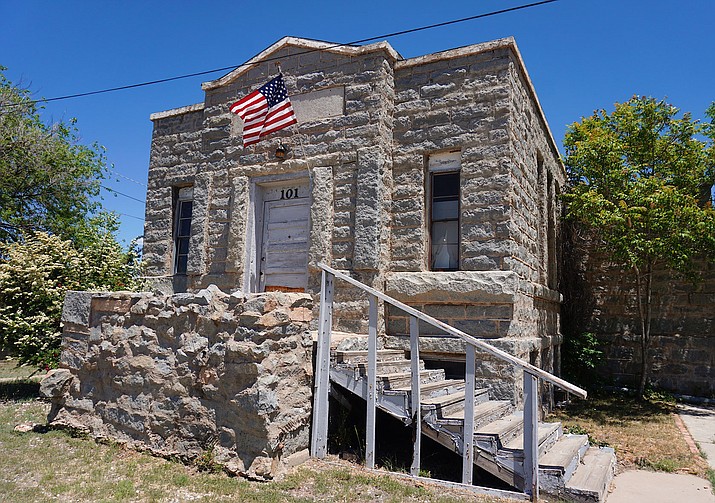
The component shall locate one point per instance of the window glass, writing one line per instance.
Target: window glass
(444, 225)
(182, 234)
(445, 210)
(186, 207)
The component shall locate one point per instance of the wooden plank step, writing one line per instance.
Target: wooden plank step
(453, 403)
(360, 356)
(387, 367)
(484, 413)
(501, 428)
(403, 379)
(564, 451)
(437, 388)
(547, 432)
(593, 476)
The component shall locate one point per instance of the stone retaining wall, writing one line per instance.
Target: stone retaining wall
(190, 374)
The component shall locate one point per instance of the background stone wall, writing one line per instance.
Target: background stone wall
(600, 299)
(189, 374)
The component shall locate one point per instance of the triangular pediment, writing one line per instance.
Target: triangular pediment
(308, 46)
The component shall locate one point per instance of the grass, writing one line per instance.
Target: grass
(56, 466)
(9, 369)
(643, 433)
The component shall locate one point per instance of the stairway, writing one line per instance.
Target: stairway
(568, 466)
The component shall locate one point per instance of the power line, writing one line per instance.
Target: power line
(122, 194)
(232, 67)
(126, 177)
(130, 216)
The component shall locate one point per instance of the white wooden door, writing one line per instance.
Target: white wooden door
(284, 250)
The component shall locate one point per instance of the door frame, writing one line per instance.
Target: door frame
(254, 228)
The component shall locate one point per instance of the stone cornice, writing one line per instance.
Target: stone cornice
(177, 111)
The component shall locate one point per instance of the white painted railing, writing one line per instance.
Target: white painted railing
(322, 383)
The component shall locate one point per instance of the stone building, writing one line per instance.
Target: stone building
(434, 179)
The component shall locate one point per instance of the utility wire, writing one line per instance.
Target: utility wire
(122, 194)
(130, 216)
(355, 42)
(126, 177)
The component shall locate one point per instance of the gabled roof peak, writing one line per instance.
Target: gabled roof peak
(302, 43)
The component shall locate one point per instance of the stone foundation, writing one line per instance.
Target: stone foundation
(189, 374)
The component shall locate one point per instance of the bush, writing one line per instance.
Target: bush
(580, 355)
(35, 274)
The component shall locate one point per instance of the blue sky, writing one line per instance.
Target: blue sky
(581, 55)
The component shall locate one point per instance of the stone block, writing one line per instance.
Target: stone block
(76, 308)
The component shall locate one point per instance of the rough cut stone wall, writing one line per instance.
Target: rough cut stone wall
(460, 102)
(345, 158)
(366, 164)
(188, 374)
(682, 355)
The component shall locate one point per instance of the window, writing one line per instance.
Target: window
(444, 221)
(182, 228)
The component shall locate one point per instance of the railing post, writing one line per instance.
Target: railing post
(468, 430)
(415, 393)
(531, 436)
(371, 384)
(319, 442)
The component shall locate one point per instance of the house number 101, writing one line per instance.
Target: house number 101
(289, 193)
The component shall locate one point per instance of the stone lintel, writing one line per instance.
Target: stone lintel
(453, 348)
(462, 287)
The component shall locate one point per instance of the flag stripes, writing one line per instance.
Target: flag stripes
(265, 111)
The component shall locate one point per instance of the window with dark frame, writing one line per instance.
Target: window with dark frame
(182, 231)
(444, 221)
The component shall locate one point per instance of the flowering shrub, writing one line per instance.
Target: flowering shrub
(35, 274)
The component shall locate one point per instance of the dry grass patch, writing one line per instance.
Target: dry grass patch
(643, 433)
(9, 369)
(55, 466)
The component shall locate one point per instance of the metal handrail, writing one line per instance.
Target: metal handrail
(531, 374)
(503, 355)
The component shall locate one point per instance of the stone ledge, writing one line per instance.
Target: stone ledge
(456, 347)
(449, 287)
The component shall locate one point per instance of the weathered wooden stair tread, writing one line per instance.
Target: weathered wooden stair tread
(567, 465)
(480, 410)
(500, 428)
(563, 452)
(402, 378)
(360, 356)
(545, 431)
(593, 475)
(447, 385)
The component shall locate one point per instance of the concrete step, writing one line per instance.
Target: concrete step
(402, 379)
(593, 476)
(360, 356)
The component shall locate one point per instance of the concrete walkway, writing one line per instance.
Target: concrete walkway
(639, 486)
(700, 421)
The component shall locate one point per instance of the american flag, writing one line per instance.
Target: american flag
(264, 111)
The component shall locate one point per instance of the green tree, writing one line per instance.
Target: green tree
(54, 236)
(36, 273)
(640, 179)
(48, 181)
